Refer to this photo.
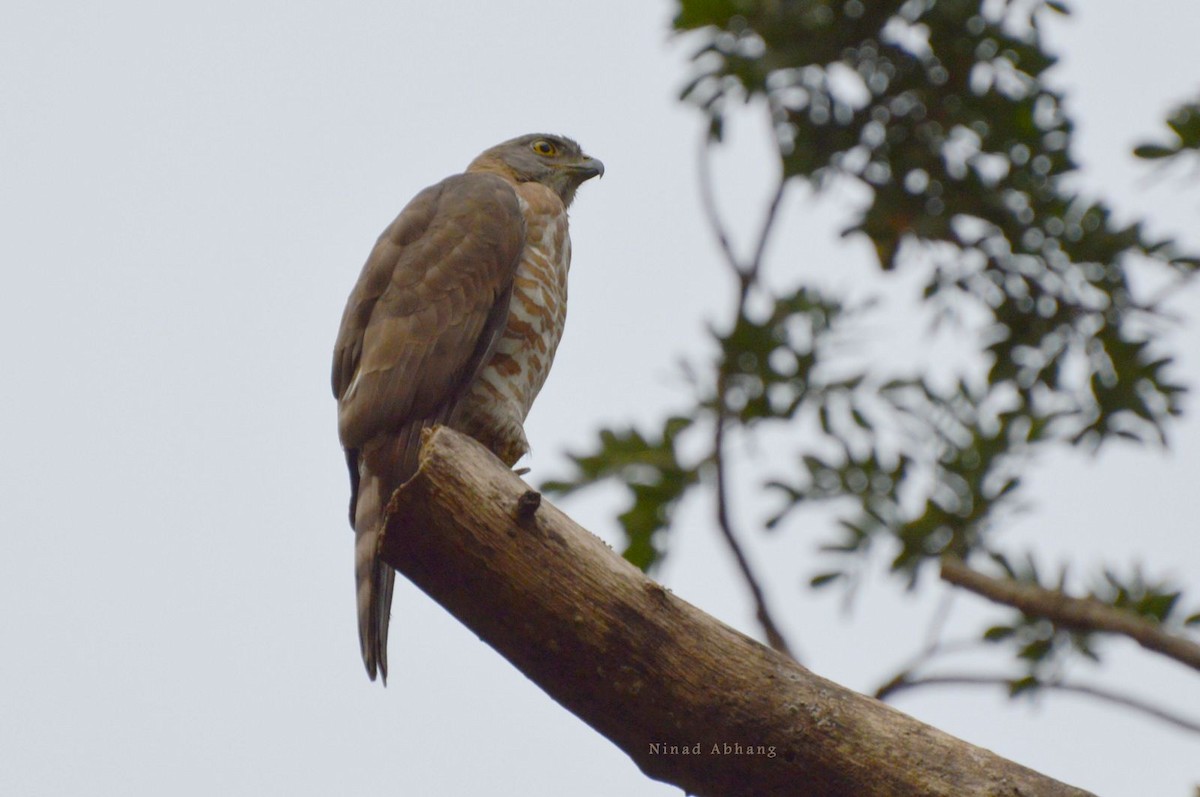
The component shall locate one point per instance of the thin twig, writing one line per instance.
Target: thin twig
(709, 202)
(937, 624)
(1172, 289)
(933, 646)
(774, 637)
(1098, 692)
(923, 657)
(764, 234)
(1077, 614)
(746, 274)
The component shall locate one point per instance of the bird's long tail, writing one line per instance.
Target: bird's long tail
(374, 580)
(382, 465)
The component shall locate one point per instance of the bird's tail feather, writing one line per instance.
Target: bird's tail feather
(384, 463)
(374, 580)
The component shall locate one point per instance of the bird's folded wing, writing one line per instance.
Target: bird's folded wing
(428, 307)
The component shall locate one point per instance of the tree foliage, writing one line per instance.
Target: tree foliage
(1184, 124)
(940, 110)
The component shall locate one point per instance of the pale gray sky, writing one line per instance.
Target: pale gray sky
(187, 192)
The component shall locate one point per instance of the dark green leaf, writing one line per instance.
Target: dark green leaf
(1154, 151)
(999, 633)
(826, 578)
(1157, 606)
(1027, 684)
(650, 472)
(1036, 650)
(699, 13)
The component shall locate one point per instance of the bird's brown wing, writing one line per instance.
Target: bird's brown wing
(425, 315)
(427, 305)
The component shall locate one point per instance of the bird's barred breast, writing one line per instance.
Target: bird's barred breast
(501, 397)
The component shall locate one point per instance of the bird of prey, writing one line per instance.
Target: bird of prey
(454, 320)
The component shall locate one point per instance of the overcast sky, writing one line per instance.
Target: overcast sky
(187, 193)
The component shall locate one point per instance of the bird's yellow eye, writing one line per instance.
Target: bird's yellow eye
(544, 147)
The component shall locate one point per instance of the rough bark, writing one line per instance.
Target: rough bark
(690, 700)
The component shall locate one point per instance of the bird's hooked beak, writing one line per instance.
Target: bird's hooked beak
(572, 175)
(588, 168)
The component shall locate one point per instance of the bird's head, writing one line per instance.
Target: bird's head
(554, 161)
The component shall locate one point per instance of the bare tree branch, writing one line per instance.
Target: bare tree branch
(1080, 614)
(902, 684)
(690, 700)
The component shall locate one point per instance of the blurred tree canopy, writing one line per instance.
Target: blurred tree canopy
(939, 109)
